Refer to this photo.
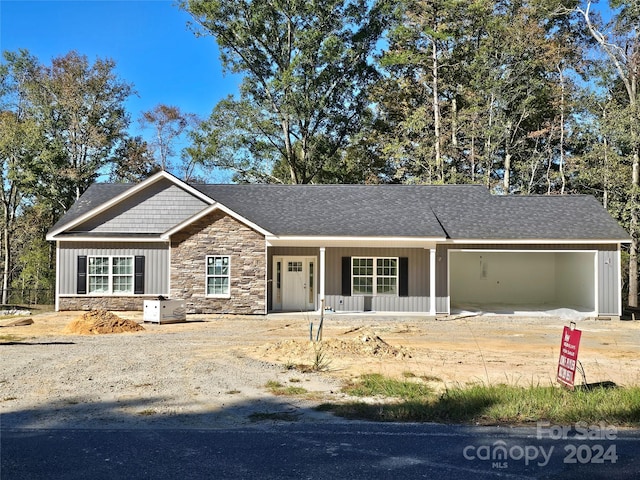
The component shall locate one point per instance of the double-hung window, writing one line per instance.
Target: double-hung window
(374, 276)
(110, 275)
(218, 276)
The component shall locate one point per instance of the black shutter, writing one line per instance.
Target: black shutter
(138, 284)
(403, 277)
(346, 276)
(81, 278)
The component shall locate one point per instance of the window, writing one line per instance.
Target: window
(375, 276)
(110, 275)
(294, 266)
(218, 276)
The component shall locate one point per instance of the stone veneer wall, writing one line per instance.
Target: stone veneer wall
(219, 234)
(106, 303)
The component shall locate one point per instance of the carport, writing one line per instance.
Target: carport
(534, 280)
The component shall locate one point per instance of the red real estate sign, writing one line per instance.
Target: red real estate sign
(568, 355)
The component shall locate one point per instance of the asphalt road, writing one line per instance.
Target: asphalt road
(322, 451)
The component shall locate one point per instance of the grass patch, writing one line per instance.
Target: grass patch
(233, 392)
(273, 416)
(374, 384)
(10, 338)
(489, 405)
(147, 412)
(278, 389)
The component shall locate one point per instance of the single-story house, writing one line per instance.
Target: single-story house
(255, 249)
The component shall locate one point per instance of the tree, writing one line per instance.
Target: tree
(81, 109)
(19, 145)
(59, 127)
(133, 161)
(621, 46)
(169, 124)
(307, 67)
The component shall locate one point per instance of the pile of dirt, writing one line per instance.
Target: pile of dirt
(101, 321)
(366, 343)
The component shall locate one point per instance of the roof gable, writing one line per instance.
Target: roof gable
(150, 207)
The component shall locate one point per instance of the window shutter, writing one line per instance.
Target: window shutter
(81, 278)
(346, 276)
(138, 282)
(403, 277)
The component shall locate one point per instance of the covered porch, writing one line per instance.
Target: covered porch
(352, 275)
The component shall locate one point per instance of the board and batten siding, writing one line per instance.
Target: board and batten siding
(608, 282)
(608, 270)
(155, 209)
(156, 279)
(418, 274)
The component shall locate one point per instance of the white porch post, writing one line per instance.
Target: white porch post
(432, 281)
(321, 272)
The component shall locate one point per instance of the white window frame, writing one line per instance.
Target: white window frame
(207, 276)
(375, 276)
(111, 275)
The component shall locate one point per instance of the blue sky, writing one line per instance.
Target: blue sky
(148, 39)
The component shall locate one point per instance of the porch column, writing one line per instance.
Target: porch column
(432, 281)
(321, 275)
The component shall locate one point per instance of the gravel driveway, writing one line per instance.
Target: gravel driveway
(211, 372)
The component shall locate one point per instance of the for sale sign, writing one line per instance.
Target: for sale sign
(568, 355)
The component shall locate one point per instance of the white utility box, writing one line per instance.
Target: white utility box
(164, 311)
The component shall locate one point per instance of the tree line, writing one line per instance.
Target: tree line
(522, 96)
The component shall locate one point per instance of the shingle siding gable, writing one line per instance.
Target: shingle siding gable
(155, 209)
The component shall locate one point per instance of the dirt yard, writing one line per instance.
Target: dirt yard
(212, 370)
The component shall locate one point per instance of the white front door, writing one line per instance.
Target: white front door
(295, 283)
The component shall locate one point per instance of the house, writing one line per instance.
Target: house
(254, 249)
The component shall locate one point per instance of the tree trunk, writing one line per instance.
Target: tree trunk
(562, 108)
(7, 262)
(506, 180)
(436, 112)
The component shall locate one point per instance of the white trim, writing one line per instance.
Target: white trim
(432, 281)
(336, 241)
(57, 289)
(619, 275)
(212, 208)
(110, 275)
(538, 241)
(111, 239)
(128, 193)
(321, 277)
(206, 277)
(306, 260)
(374, 277)
(596, 276)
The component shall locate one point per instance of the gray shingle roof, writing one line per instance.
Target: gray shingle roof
(343, 210)
(443, 211)
(558, 217)
(94, 196)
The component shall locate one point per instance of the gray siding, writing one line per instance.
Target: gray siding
(156, 255)
(156, 209)
(608, 283)
(608, 270)
(418, 267)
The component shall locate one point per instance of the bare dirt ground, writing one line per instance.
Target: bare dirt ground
(211, 371)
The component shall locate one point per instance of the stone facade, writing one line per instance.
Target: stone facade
(106, 303)
(219, 234)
